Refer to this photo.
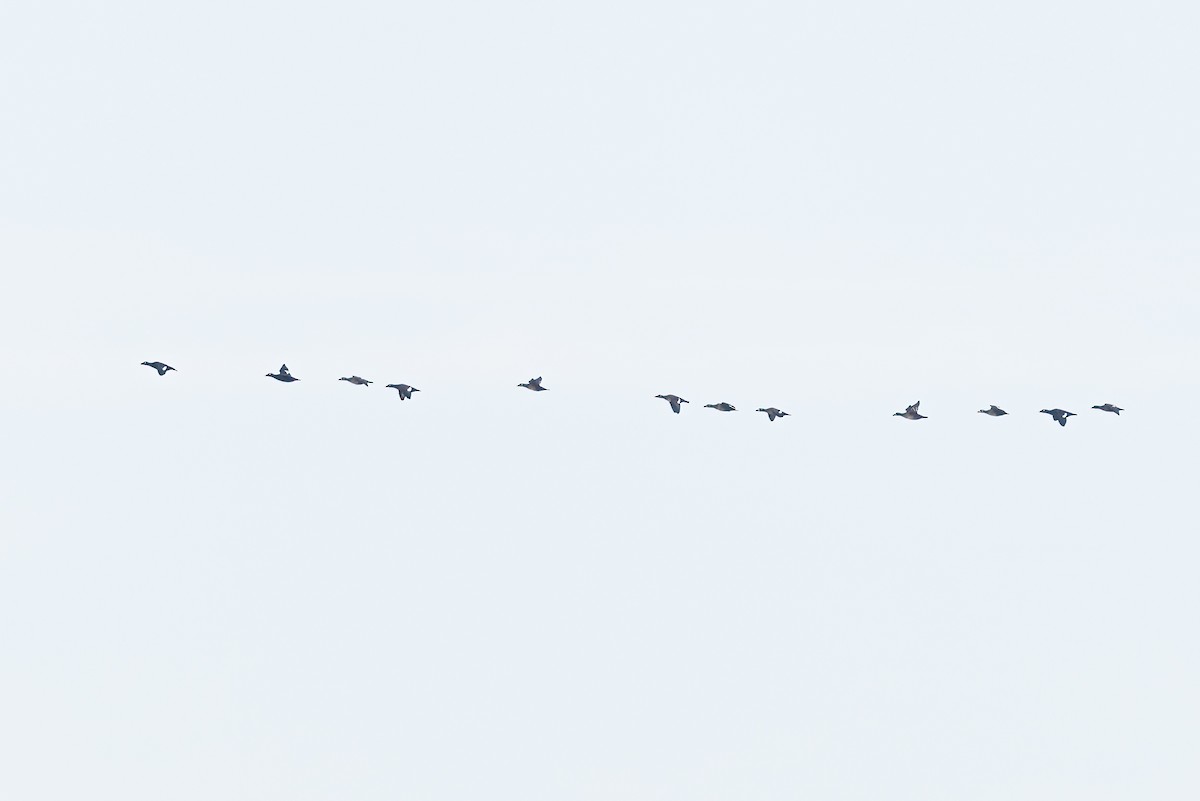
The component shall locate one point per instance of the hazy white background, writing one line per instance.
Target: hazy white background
(213, 585)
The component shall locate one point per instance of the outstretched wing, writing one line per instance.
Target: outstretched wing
(914, 409)
(675, 407)
(283, 370)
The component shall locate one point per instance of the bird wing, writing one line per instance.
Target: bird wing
(916, 407)
(283, 370)
(675, 407)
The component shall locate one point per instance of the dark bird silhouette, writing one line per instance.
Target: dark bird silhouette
(159, 366)
(362, 382)
(674, 400)
(993, 411)
(1108, 407)
(912, 413)
(1058, 414)
(772, 413)
(534, 383)
(283, 375)
(404, 389)
(721, 407)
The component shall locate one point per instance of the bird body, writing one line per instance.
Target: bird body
(534, 384)
(993, 411)
(362, 382)
(404, 389)
(1060, 415)
(1108, 407)
(674, 400)
(721, 407)
(159, 366)
(772, 413)
(283, 375)
(912, 413)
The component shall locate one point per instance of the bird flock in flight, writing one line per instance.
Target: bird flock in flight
(912, 412)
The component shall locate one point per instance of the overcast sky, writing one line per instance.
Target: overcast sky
(214, 585)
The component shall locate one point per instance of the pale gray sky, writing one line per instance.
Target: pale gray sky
(213, 585)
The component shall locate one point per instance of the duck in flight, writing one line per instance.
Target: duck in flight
(362, 382)
(912, 413)
(674, 400)
(404, 389)
(993, 411)
(772, 413)
(283, 375)
(1059, 415)
(534, 383)
(721, 407)
(159, 366)
(1108, 407)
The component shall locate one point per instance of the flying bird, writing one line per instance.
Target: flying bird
(159, 366)
(362, 382)
(1108, 407)
(912, 413)
(404, 389)
(772, 413)
(534, 383)
(993, 411)
(721, 407)
(674, 400)
(1058, 414)
(283, 375)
